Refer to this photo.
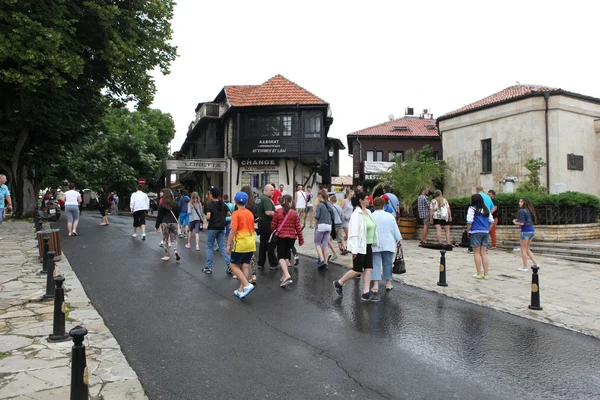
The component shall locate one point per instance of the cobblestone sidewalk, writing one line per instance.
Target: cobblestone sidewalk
(570, 292)
(31, 368)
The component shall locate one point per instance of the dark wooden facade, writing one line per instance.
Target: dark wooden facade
(358, 146)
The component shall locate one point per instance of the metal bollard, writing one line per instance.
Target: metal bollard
(442, 281)
(44, 269)
(79, 371)
(51, 271)
(535, 289)
(36, 218)
(37, 221)
(60, 308)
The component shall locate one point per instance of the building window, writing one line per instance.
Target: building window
(312, 126)
(393, 155)
(379, 156)
(269, 126)
(486, 156)
(287, 125)
(370, 155)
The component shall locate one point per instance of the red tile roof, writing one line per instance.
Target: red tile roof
(236, 93)
(414, 126)
(510, 93)
(276, 91)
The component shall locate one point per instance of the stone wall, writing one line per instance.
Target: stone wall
(517, 133)
(543, 233)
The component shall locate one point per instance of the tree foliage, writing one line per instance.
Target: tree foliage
(126, 146)
(407, 177)
(533, 183)
(61, 63)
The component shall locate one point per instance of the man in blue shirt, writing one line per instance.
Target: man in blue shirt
(487, 200)
(392, 200)
(4, 196)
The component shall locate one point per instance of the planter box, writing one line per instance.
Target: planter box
(543, 233)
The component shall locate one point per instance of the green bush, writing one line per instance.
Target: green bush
(566, 199)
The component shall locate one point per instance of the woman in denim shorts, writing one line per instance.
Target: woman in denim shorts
(479, 220)
(526, 219)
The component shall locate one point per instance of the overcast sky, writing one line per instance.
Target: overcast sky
(372, 59)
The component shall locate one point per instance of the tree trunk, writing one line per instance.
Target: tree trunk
(24, 191)
(23, 194)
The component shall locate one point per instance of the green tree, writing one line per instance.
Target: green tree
(61, 63)
(125, 147)
(407, 177)
(533, 183)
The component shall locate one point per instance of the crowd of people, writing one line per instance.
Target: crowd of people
(358, 224)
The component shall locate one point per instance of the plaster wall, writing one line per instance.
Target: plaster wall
(571, 127)
(517, 131)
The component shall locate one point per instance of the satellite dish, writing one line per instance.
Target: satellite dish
(391, 117)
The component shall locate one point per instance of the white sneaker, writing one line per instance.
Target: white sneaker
(134, 235)
(247, 291)
(523, 269)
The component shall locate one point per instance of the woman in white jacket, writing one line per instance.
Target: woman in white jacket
(362, 236)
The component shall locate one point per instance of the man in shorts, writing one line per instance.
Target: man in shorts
(139, 204)
(339, 231)
(300, 201)
(242, 237)
(309, 208)
(423, 206)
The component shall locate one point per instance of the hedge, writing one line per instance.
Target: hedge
(566, 199)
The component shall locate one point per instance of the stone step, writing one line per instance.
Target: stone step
(562, 245)
(563, 253)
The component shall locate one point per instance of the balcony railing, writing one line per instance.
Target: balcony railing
(210, 110)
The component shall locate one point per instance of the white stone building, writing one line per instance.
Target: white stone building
(489, 141)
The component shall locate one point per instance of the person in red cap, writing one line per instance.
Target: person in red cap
(387, 207)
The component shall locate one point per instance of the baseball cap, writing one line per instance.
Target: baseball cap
(385, 197)
(241, 197)
(216, 192)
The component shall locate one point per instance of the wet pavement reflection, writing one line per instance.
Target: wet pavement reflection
(306, 342)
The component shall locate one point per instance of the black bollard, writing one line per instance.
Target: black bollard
(442, 281)
(60, 308)
(36, 218)
(37, 221)
(44, 269)
(79, 371)
(51, 271)
(535, 289)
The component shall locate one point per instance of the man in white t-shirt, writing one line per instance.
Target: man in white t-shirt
(139, 204)
(282, 190)
(300, 201)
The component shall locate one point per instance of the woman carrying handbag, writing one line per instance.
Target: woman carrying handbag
(195, 215)
(168, 220)
(286, 227)
(389, 239)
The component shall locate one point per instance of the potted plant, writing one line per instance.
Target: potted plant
(407, 177)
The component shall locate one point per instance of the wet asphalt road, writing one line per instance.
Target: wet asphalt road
(188, 337)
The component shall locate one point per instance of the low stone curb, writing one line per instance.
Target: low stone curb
(30, 366)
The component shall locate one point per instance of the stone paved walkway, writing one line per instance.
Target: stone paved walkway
(570, 292)
(31, 367)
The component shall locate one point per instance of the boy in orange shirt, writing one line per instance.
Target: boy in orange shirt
(244, 244)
